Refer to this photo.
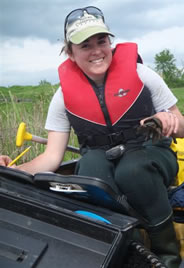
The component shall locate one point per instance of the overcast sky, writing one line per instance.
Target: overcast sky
(32, 33)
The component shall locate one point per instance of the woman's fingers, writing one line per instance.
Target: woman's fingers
(169, 120)
(5, 160)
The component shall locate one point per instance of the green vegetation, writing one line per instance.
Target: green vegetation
(165, 65)
(179, 93)
(29, 104)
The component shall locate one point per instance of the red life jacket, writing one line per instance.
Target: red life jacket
(122, 79)
(125, 95)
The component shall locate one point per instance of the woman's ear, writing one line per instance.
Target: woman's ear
(70, 55)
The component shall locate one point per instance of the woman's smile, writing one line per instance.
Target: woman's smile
(97, 61)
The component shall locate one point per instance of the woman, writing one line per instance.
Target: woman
(105, 95)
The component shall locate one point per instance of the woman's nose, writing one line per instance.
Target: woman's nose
(96, 49)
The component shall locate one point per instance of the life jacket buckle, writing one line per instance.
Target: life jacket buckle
(115, 138)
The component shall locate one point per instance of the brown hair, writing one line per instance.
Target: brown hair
(66, 48)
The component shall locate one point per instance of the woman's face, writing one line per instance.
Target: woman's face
(93, 56)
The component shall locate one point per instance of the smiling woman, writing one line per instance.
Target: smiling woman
(106, 94)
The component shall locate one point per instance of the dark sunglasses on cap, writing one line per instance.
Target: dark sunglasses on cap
(78, 13)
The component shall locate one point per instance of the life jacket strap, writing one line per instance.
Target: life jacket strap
(110, 140)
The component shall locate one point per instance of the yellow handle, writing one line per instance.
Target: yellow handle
(22, 135)
(19, 156)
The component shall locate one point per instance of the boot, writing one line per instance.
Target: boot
(165, 245)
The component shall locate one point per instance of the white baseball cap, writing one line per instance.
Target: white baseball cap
(84, 27)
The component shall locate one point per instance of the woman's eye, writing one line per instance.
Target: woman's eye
(101, 42)
(85, 46)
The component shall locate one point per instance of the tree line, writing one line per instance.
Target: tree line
(165, 65)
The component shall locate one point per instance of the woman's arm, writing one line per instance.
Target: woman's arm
(52, 157)
(163, 99)
(50, 160)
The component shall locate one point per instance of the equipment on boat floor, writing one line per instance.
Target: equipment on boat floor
(43, 228)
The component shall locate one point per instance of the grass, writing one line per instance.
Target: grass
(29, 104)
(179, 93)
(25, 104)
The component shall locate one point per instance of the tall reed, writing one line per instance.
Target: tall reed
(32, 111)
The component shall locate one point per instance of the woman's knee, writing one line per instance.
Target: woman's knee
(94, 163)
(128, 172)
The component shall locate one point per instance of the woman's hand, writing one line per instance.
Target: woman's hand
(5, 160)
(172, 122)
